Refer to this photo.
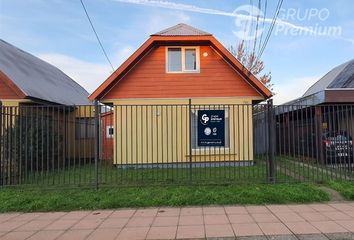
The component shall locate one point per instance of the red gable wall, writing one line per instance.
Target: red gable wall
(148, 79)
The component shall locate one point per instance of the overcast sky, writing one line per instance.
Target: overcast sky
(58, 32)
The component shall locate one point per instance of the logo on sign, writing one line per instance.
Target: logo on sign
(207, 131)
(205, 119)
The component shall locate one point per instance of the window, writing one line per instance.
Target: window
(194, 124)
(84, 128)
(109, 132)
(182, 59)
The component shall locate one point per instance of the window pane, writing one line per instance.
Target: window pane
(174, 60)
(191, 59)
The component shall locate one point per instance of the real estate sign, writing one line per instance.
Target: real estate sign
(211, 128)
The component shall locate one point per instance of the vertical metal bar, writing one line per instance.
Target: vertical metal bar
(190, 138)
(97, 143)
(271, 141)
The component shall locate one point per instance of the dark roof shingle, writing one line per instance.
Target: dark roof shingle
(181, 29)
(39, 79)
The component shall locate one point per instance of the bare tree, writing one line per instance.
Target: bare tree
(254, 65)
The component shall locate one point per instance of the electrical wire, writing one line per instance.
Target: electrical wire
(280, 2)
(97, 37)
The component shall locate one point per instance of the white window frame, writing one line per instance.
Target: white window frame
(183, 53)
(108, 135)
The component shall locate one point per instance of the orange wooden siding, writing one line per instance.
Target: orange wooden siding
(148, 79)
(6, 92)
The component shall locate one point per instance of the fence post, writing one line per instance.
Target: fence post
(190, 139)
(271, 142)
(97, 141)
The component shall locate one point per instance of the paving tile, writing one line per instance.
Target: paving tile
(165, 221)
(45, 235)
(134, 233)
(190, 232)
(347, 224)
(106, 234)
(146, 212)
(27, 216)
(114, 223)
(74, 234)
(17, 235)
(61, 224)
(301, 208)
(279, 208)
(264, 217)
(336, 215)
(274, 229)
(252, 238)
(215, 219)
(213, 211)
(99, 214)
(162, 232)
(241, 218)
(87, 224)
(33, 225)
(10, 225)
(290, 217)
(311, 237)
(7, 216)
(282, 237)
(76, 215)
(191, 220)
(125, 213)
(51, 216)
(313, 216)
(350, 213)
(322, 207)
(246, 229)
(257, 209)
(340, 236)
(302, 228)
(140, 222)
(191, 211)
(342, 206)
(219, 231)
(235, 210)
(328, 227)
(168, 212)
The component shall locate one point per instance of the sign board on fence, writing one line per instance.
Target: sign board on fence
(211, 128)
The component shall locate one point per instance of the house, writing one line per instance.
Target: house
(327, 107)
(38, 97)
(158, 93)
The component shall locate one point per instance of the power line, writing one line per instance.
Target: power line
(256, 31)
(280, 2)
(98, 39)
(264, 16)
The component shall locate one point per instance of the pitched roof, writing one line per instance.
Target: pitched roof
(35, 78)
(341, 76)
(181, 29)
(154, 40)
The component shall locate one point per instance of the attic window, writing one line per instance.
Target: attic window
(182, 59)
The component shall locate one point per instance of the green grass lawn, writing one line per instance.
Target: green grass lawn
(122, 197)
(345, 188)
(108, 175)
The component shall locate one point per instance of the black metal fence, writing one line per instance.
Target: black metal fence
(59, 146)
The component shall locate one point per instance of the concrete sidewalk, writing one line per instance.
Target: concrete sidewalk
(313, 221)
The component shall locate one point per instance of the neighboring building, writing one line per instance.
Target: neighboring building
(150, 93)
(25, 78)
(43, 111)
(325, 110)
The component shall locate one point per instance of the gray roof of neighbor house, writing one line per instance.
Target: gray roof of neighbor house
(181, 29)
(39, 79)
(341, 76)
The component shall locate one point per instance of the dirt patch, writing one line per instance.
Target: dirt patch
(334, 195)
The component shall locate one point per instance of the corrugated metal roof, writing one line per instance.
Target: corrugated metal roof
(341, 76)
(39, 79)
(181, 29)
